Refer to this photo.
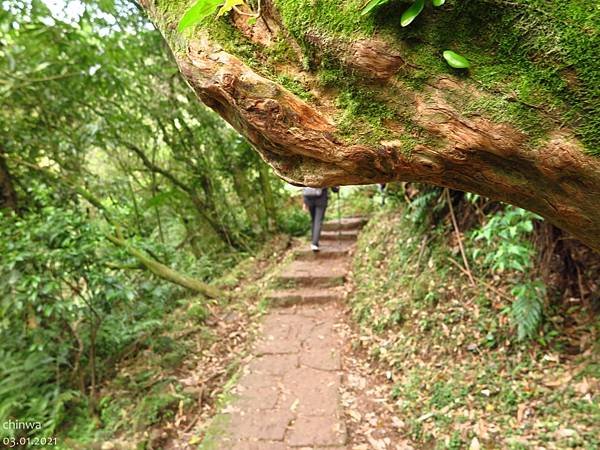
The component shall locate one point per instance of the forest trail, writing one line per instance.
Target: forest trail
(289, 394)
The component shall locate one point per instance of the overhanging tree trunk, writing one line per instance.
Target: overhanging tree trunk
(425, 133)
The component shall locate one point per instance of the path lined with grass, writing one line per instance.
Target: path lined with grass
(289, 394)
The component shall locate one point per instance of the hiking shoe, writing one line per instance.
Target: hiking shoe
(314, 248)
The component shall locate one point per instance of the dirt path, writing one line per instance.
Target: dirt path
(288, 396)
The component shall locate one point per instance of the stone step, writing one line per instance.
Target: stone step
(328, 250)
(304, 296)
(347, 223)
(318, 272)
(296, 279)
(345, 235)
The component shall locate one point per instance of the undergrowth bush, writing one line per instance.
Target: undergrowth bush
(294, 221)
(66, 313)
(507, 250)
(447, 347)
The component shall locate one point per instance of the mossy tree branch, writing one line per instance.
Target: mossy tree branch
(423, 133)
(165, 272)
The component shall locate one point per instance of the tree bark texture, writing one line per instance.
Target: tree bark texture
(303, 139)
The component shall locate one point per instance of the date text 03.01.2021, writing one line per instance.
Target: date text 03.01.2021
(28, 441)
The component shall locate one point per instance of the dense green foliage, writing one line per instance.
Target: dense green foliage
(66, 311)
(102, 138)
(105, 154)
(508, 250)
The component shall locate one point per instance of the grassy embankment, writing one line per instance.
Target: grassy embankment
(458, 371)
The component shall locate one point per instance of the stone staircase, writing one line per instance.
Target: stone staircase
(288, 394)
(317, 277)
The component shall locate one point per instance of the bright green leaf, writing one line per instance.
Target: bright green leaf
(411, 13)
(455, 60)
(438, 3)
(372, 4)
(228, 6)
(198, 12)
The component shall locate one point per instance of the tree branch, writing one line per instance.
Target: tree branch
(164, 272)
(458, 237)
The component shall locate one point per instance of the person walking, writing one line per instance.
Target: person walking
(315, 201)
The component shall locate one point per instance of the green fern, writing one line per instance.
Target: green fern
(508, 250)
(423, 205)
(527, 309)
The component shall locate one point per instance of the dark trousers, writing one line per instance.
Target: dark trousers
(317, 214)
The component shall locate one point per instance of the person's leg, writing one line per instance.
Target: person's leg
(318, 222)
(310, 205)
(312, 211)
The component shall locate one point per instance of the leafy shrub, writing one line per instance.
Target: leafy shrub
(198, 312)
(60, 297)
(506, 232)
(294, 221)
(507, 249)
(423, 207)
(154, 408)
(29, 392)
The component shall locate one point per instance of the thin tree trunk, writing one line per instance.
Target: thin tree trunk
(268, 198)
(154, 192)
(8, 195)
(250, 202)
(136, 210)
(92, 363)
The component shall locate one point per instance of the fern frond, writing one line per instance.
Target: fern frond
(527, 310)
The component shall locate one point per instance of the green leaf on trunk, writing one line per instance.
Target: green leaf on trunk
(198, 12)
(455, 60)
(437, 3)
(372, 4)
(411, 13)
(228, 6)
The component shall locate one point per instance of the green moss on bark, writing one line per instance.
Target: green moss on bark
(366, 109)
(537, 52)
(328, 16)
(536, 58)
(531, 52)
(235, 43)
